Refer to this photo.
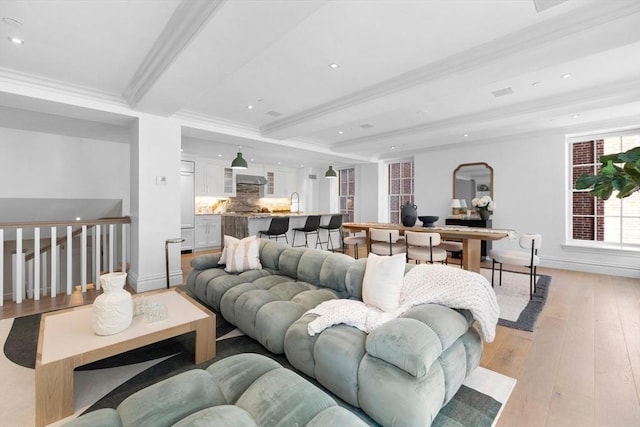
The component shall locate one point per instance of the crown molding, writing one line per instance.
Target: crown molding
(512, 44)
(623, 91)
(58, 87)
(185, 22)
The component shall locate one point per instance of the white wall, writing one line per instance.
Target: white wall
(530, 190)
(42, 165)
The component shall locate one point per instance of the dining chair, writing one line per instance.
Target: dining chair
(423, 246)
(335, 225)
(278, 227)
(386, 242)
(311, 226)
(355, 241)
(453, 247)
(530, 259)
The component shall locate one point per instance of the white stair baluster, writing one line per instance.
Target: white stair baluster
(69, 258)
(96, 241)
(124, 247)
(110, 248)
(36, 263)
(83, 259)
(44, 275)
(1, 266)
(54, 263)
(18, 267)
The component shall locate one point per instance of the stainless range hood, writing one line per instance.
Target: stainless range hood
(251, 179)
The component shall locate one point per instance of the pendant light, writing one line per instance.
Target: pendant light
(330, 173)
(239, 162)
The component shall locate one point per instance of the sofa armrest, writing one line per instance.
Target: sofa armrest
(408, 344)
(204, 262)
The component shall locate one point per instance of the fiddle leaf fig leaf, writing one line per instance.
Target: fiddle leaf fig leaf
(586, 181)
(609, 170)
(630, 156)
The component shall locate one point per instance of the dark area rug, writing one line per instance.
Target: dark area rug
(468, 407)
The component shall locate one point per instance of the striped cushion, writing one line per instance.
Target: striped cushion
(243, 255)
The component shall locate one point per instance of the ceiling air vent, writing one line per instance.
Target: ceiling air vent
(502, 92)
(274, 113)
(366, 126)
(313, 176)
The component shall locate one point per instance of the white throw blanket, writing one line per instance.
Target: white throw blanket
(437, 284)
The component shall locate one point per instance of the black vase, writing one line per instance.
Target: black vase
(409, 214)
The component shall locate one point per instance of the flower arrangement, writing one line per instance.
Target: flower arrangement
(484, 205)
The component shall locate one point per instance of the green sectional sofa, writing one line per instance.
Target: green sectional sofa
(244, 390)
(402, 373)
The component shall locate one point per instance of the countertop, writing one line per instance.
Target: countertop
(274, 214)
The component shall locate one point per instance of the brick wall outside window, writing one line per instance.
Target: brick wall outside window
(400, 188)
(593, 219)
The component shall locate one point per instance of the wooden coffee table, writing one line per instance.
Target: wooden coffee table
(67, 341)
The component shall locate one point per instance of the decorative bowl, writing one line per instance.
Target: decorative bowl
(428, 220)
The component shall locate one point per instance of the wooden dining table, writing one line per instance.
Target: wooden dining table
(469, 236)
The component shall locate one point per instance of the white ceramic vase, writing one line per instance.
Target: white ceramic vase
(113, 310)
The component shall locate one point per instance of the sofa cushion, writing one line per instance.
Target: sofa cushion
(406, 343)
(382, 283)
(170, 400)
(223, 415)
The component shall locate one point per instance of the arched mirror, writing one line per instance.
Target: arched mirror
(472, 180)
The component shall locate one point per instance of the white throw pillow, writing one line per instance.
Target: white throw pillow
(382, 282)
(229, 240)
(243, 255)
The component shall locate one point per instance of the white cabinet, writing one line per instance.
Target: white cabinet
(187, 235)
(208, 228)
(214, 178)
(228, 179)
(208, 182)
(281, 182)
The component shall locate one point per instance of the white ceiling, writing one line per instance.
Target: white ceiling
(419, 73)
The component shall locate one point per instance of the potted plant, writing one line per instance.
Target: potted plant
(619, 172)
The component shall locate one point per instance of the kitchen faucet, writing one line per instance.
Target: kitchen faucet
(297, 201)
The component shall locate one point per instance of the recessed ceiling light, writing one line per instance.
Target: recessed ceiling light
(340, 132)
(219, 155)
(16, 40)
(301, 166)
(278, 162)
(78, 218)
(465, 135)
(252, 159)
(566, 75)
(333, 65)
(250, 107)
(575, 116)
(393, 147)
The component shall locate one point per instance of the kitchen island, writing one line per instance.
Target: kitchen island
(241, 225)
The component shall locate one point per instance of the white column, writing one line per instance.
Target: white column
(69, 259)
(155, 192)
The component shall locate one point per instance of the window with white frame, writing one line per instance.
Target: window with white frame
(347, 191)
(593, 220)
(400, 188)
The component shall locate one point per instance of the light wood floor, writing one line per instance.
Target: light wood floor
(580, 367)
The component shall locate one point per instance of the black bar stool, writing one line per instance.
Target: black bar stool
(278, 226)
(335, 224)
(311, 226)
